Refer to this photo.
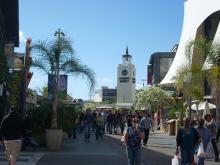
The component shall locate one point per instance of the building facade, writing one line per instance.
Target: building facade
(105, 94)
(159, 65)
(126, 80)
(9, 38)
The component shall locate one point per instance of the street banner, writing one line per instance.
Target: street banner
(62, 86)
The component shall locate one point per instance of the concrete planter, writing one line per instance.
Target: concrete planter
(54, 138)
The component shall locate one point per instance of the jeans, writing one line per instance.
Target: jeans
(187, 156)
(146, 135)
(215, 148)
(200, 161)
(134, 156)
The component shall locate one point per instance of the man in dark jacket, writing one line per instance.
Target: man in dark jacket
(11, 131)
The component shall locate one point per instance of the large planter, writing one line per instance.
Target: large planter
(54, 138)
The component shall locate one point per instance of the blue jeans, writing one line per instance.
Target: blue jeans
(134, 156)
(187, 156)
(200, 161)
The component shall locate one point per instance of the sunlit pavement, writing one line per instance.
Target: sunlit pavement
(109, 151)
(160, 149)
(78, 152)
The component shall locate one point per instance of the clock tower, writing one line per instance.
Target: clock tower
(126, 82)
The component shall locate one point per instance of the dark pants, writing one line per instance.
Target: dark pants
(187, 156)
(146, 135)
(134, 156)
(98, 132)
(109, 127)
(215, 148)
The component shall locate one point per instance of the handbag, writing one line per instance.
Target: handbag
(209, 152)
(201, 152)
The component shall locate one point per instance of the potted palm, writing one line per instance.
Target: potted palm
(56, 57)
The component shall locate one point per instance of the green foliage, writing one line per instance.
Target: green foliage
(67, 117)
(89, 105)
(41, 117)
(152, 98)
(57, 57)
(15, 87)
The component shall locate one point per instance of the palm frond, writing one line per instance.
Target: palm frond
(44, 52)
(83, 71)
(39, 64)
(62, 49)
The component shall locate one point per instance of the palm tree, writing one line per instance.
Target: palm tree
(55, 57)
(203, 49)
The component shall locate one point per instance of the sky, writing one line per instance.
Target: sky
(100, 31)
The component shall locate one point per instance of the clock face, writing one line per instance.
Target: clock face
(124, 72)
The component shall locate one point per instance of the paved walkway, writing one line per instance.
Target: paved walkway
(24, 159)
(78, 152)
(161, 147)
(109, 151)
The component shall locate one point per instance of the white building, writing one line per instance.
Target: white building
(201, 18)
(126, 82)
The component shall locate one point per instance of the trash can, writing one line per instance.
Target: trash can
(171, 126)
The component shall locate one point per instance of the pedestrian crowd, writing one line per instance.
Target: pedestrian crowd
(197, 141)
(134, 127)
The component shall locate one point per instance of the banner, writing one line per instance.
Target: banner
(62, 86)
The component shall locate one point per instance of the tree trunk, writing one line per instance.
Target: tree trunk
(55, 102)
(54, 113)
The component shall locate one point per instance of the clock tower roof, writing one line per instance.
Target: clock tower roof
(126, 55)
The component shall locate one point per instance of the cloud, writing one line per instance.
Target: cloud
(105, 80)
(22, 37)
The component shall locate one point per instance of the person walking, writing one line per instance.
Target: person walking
(145, 124)
(99, 127)
(211, 125)
(12, 130)
(132, 140)
(205, 138)
(187, 138)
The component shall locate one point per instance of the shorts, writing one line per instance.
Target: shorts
(12, 149)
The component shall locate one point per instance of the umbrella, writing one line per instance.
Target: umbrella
(203, 105)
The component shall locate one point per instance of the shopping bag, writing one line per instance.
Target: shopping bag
(209, 152)
(201, 152)
(118, 131)
(175, 160)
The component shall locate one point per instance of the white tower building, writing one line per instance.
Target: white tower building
(126, 82)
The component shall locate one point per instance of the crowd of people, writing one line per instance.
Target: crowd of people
(197, 140)
(134, 128)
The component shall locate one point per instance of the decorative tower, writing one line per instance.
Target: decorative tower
(126, 82)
